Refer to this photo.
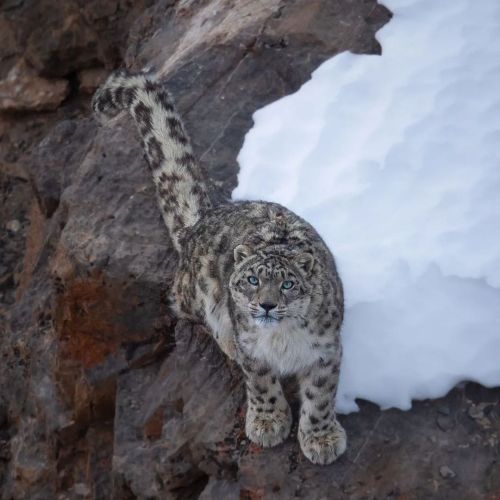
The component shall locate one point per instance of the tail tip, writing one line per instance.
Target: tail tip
(106, 104)
(103, 106)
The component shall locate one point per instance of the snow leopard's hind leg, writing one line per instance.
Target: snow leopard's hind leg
(180, 183)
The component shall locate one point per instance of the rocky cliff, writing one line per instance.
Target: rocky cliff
(103, 395)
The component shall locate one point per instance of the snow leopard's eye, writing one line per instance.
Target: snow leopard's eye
(253, 280)
(286, 285)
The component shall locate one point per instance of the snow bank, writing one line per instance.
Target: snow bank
(396, 161)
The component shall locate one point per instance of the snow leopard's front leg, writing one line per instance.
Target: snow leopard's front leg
(269, 417)
(321, 436)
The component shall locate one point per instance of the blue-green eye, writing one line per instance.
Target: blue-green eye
(286, 285)
(253, 280)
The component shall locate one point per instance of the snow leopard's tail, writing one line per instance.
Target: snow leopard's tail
(180, 183)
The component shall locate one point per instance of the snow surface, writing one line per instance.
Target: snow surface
(396, 161)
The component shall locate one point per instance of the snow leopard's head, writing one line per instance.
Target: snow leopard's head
(270, 288)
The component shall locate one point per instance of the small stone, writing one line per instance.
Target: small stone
(81, 489)
(476, 411)
(13, 225)
(444, 410)
(445, 423)
(446, 472)
(349, 488)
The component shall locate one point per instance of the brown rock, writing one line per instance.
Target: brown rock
(8, 43)
(61, 38)
(106, 394)
(73, 43)
(23, 90)
(101, 394)
(90, 79)
(50, 173)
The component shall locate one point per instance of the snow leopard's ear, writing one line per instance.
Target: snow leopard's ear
(305, 262)
(241, 252)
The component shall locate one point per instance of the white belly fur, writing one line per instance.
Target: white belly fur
(285, 347)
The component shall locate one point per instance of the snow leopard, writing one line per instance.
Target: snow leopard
(259, 277)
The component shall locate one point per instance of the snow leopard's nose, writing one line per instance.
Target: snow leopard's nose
(267, 306)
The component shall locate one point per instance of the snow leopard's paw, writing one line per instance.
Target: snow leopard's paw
(323, 447)
(268, 429)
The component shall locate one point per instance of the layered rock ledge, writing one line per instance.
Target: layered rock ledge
(103, 395)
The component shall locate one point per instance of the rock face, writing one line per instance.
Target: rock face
(24, 90)
(103, 395)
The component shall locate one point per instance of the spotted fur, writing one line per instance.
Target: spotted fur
(180, 183)
(259, 276)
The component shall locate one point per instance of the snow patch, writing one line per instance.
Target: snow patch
(396, 161)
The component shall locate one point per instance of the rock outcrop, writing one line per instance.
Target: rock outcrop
(103, 394)
(24, 90)
(109, 401)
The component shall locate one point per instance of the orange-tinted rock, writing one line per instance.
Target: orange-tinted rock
(84, 320)
(154, 425)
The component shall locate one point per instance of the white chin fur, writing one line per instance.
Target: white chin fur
(264, 322)
(284, 346)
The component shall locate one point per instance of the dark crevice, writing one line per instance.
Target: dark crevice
(194, 489)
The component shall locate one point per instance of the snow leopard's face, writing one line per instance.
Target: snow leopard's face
(271, 288)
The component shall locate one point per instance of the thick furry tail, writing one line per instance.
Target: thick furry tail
(180, 183)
